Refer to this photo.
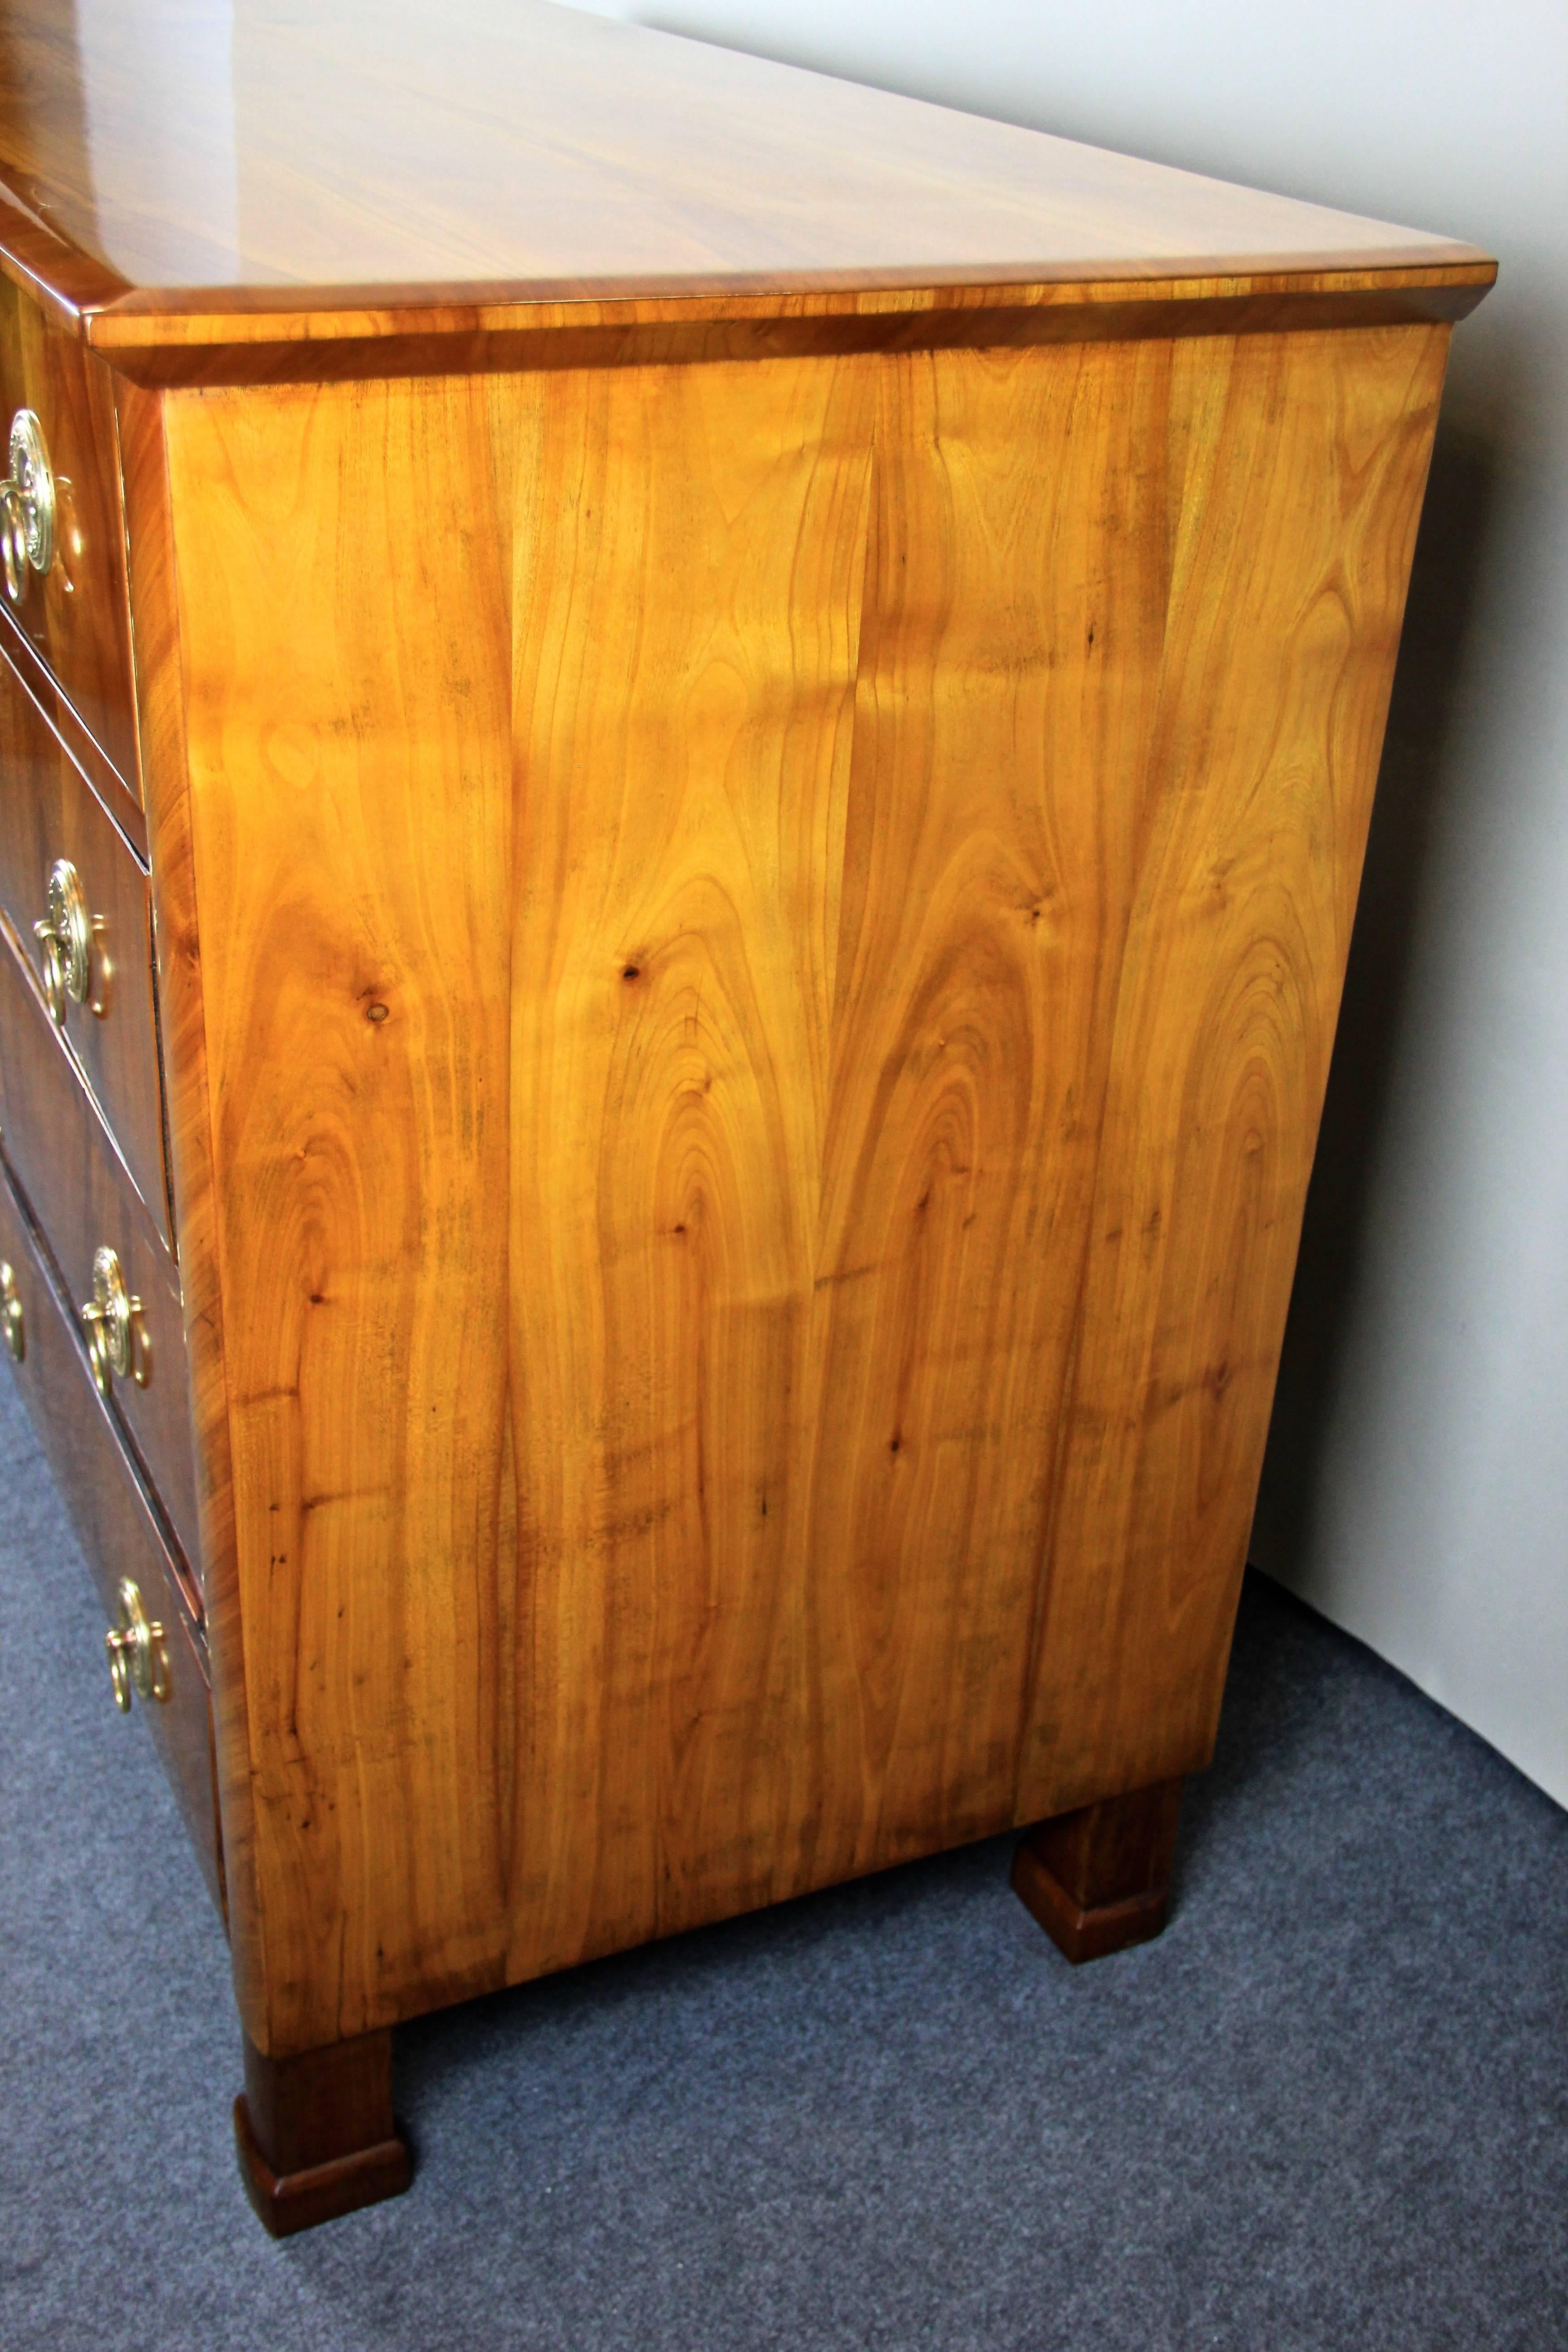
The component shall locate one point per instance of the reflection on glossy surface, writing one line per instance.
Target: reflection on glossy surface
(254, 143)
(117, 129)
(168, 69)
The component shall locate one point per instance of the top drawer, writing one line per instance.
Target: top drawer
(74, 615)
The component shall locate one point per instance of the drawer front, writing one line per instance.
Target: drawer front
(117, 1529)
(50, 817)
(64, 1160)
(74, 615)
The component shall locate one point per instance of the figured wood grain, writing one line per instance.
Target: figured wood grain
(1294, 495)
(48, 811)
(346, 724)
(764, 1008)
(691, 574)
(279, 186)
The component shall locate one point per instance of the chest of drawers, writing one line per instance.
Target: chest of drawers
(685, 759)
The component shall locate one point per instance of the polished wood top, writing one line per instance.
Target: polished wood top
(183, 164)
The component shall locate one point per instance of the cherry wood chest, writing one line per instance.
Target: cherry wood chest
(684, 754)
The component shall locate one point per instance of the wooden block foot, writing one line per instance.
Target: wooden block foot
(1099, 1879)
(316, 2136)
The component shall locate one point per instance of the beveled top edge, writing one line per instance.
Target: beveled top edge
(143, 320)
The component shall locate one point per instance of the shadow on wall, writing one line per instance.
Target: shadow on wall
(1408, 814)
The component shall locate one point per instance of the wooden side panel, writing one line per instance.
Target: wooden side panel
(1297, 472)
(347, 661)
(769, 943)
(1008, 663)
(688, 608)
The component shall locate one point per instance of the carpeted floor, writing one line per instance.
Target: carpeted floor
(1328, 2109)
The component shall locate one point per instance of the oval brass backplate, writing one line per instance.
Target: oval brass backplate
(138, 1660)
(26, 508)
(35, 479)
(116, 1344)
(66, 935)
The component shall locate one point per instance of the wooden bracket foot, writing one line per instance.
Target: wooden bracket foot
(316, 2136)
(1100, 1878)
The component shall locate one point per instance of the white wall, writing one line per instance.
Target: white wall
(1417, 1482)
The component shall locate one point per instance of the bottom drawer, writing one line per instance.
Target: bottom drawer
(111, 1518)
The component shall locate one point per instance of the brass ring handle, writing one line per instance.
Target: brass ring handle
(97, 1331)
(12, 1321)
(12, 543)
(65, 937)
(119, 1671)
(116, 1343)
(138, 1660)
(26, 506)
(52, 972)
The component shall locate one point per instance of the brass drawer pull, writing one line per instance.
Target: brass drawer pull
(65, 937)
(117, 1344)
(11, 1320)
(138, 1660)
(26, 506)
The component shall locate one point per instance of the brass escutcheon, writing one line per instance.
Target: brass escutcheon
(11, 1317)
(65, 937)
(26, 506)
(137, 1659)
(116, 1343)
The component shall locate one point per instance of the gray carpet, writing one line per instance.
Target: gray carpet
(1328, 2108)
